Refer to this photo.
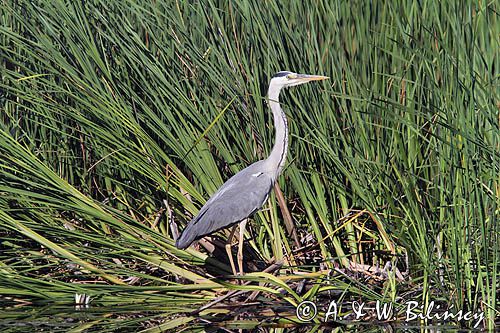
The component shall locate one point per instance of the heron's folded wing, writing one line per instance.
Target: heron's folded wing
(237, 199)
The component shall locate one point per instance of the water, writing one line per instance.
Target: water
(158, 318)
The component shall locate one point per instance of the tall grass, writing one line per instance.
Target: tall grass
(120, 118)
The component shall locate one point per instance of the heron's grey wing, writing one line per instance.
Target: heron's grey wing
(241, 196)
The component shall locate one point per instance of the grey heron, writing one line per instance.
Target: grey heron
(247, 191)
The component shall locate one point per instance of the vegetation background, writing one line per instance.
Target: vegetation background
(120, 118)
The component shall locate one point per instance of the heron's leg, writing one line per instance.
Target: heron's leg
(228, 249)
(240, 245)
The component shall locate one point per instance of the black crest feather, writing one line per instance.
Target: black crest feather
(282, 73)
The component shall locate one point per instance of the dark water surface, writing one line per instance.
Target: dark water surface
(158, 318)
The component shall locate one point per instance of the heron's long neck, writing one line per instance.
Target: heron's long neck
(277, 157)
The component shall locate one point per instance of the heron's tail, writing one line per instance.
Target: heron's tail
(186, 238)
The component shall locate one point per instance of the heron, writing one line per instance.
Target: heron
(247, 191)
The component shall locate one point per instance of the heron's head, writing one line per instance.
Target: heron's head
(287, 79)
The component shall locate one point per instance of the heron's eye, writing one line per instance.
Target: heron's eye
(291, 76)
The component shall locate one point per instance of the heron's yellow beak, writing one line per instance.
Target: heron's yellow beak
(306, 78)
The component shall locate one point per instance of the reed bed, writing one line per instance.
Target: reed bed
(120, 118)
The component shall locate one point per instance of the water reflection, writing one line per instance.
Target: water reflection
(157, 318)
